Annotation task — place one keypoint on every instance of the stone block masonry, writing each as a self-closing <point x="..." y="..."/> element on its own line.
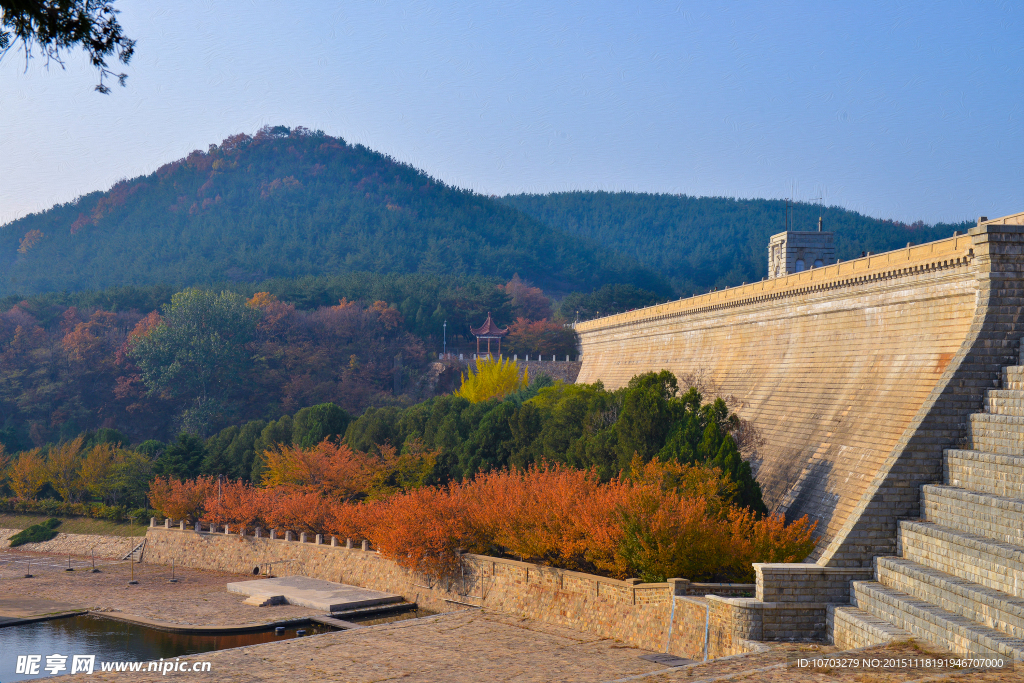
<point x="105" y="547"/>
<point x="650" y="616"/>
<point x="857" y="374"/>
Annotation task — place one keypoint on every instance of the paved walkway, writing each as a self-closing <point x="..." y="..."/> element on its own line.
<point x="454" y="648"/>
<point x="199" y="598"/>
<point x="459" y="647"/>
<point x="474" y="646"/>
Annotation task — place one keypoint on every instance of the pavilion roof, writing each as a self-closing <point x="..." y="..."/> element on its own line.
<point x="488" y="329"/>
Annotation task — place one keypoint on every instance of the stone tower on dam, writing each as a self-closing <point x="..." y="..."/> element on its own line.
<point x="858" y="373"/>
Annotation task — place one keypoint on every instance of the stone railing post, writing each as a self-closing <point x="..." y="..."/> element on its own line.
<point x="288" y="536"/>
<point x="334" y="542"/>
<point x="348" y="543"/>
<point x="259" y="532"/>
<point x="319" y="539"/>
<point x="167" y="523"/>
<point x="273" y="534"/>
<point x="181" y="525"/>
<point x="199" y="526"/>
<point x="227" y="529"/>
<point x="366" y="545"/>
<point x="679" y="586"/>
<point x="152" y="521"/>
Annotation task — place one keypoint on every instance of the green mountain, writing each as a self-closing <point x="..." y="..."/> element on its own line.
<point x="704" y="242"/>
<point x="292" y="203"/>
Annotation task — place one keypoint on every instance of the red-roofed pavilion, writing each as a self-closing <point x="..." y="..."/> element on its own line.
<point x="488" y="331"/>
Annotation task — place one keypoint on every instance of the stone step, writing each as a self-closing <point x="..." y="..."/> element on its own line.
<point x="984" y="514"/>
<point x="1000" y="475"/>
<point x="1005" y="402"/>
<point x="1013" y="376"/>
<point x="988" y="607"/>
<point x="967" y="556"/>
<point x="933" y="624"/>
<point x="851" y="627"/>
<point x="1003" y="434"/>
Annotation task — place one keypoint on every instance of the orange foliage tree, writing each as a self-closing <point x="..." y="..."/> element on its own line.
<point x="327" y="468"/>
<point x="663" y="520"/>
<point x="181" y="499"/>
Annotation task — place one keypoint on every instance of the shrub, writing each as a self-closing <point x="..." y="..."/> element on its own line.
<point x="37" y="533"/>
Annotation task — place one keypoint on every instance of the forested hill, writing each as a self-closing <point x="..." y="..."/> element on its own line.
<point x="288" y="203"/>
<point x="702" y="242"/>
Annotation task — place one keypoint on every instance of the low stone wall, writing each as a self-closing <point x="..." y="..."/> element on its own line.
<point x="806" y="582"/>
<point x="653" y="616"/>
<point x="107" y="547"/>
<point x="791" y="604"/>
<point x="559" y="369"/>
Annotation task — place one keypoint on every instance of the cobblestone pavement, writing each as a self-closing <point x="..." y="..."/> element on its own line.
<point x="455" y="647"/>
<point x="199" y="598"/>
<point x="471" y="646"/>
<point x="459" y="647"/>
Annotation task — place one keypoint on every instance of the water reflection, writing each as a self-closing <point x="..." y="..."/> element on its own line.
<point x="118" y="641"/>
<point x="111" y="641"/>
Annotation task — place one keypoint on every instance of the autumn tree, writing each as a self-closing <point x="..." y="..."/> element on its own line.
<point x="327" y="468"/>
<point x="494" y="378"/>
<point x="181" y="499"/>
<point x="102" y="472"/>
<point x="63" y="469"/>
<point x="545" y="337"/>
<point x="528" y="302"/>
<point x="5" y="461"/>
<point x="28" y="474"/>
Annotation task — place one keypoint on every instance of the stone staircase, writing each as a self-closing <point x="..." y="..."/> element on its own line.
<point x="959" y="579"/>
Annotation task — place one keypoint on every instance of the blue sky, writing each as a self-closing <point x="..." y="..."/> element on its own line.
<point x="908" y="110"/>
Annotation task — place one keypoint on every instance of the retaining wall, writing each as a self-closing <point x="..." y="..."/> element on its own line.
<point x="107" y="547"/>
<point x="655" y="616"/>
<point x="560" y="370"/>
<point x="857" y="374"/>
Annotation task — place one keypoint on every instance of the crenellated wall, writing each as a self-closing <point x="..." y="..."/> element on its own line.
<point x="857" y="374"/>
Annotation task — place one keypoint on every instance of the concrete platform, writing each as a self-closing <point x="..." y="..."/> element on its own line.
<point x="25" y="609"/>
<point x="314" y="593"/>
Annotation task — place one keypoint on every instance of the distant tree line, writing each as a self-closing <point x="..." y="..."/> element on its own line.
<point x="704" y="242"/>
<point x="151" y="361"/>
<point x="290" y="203"/>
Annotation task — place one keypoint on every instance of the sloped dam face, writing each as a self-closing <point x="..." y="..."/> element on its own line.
<point x="857" y="375"/>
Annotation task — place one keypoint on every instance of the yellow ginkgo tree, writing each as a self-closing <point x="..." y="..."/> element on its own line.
<point x="493" y="379"/>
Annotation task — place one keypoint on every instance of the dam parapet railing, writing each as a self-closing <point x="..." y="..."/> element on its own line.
<point x="950" y="252"/>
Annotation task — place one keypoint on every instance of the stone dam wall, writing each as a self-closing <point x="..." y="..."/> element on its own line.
<point x="674" y="617"/>
<point x="858" y="374"/>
